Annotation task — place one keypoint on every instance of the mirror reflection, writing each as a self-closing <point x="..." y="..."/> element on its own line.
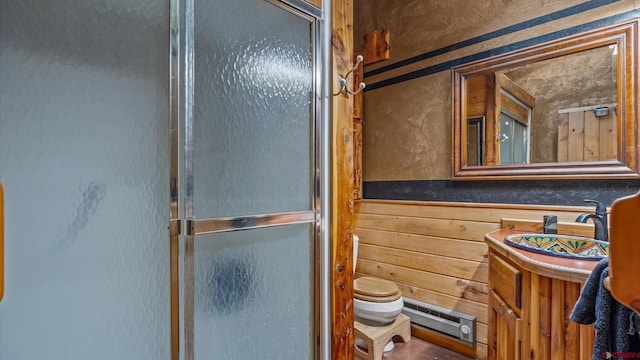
<point x="561" y="109"/>
<point x="558" y="110"/>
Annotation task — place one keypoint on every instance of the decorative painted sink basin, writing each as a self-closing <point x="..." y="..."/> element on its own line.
<point x="560" y="245"/>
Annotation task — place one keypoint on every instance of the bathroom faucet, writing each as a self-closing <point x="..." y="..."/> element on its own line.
<point x="599" y="220"/>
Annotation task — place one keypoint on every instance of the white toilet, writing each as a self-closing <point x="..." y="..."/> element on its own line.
<point x="377" y="302"/>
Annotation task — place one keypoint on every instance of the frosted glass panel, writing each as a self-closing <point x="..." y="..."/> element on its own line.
<point x="84" y="159"/>
<point x="253" y="92"/>
<point x="253" y="294"/>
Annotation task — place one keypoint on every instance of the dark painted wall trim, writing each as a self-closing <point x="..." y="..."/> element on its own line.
<point x="533" y="192"/>
<point x="570" y="11"/>
<point x="506" y="48"/>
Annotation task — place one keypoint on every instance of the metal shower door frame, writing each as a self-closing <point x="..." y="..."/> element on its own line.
<point x="183" y="225"/>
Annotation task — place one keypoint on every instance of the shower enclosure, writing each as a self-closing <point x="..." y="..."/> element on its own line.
<point x="163" y="165"/>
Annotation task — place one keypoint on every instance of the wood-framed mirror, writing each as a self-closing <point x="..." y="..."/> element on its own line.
<point x="562" y="109"/>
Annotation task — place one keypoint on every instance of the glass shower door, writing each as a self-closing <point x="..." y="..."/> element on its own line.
<point x="84" y="162"/>
<point x="250" y="194"/>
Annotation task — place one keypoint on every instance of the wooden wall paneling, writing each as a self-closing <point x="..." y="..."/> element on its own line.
<point x="456" y="229"/>
<point x="481" y="333"/>
<point x="341" y="226"/>
<point x="453" y="248"/>
<point x="421" y="209"/>
<point x="429" y="286"/>
<point x="451" y="267"/>
<point x="467" y="211"/>
<point x="445" y="284"/>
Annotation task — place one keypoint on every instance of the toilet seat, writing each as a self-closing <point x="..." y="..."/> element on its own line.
<point x="375" y="290"/>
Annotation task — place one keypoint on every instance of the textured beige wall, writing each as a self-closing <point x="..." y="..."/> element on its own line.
<point x="406" y="132"/>
<point x="406" y="126"/>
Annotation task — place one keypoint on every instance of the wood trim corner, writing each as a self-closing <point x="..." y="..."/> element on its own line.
<point x="342" y="185"/>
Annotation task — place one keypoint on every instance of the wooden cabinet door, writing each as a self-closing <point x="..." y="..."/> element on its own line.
<point x="505" y="330"/>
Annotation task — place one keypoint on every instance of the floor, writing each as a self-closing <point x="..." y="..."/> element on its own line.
<point x="418" y="349"/>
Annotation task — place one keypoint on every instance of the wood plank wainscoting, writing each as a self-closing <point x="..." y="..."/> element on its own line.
<point x="435" y="252"/>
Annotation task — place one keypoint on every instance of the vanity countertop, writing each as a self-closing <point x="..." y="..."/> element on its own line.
<point x="573" y="270"/>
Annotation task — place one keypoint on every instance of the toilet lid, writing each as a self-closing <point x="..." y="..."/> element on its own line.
<point x="375" y="290"/>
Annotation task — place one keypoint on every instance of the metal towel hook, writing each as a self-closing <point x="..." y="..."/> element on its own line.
<point x="343" y="80"/>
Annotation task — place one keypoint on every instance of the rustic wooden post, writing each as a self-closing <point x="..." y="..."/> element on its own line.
<point x="342" y="184"/>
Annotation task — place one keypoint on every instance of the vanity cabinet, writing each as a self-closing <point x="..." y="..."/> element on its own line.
<point x="505" y="336"/>
<point x="505" y="309"/>
<point x="530" y="300"/>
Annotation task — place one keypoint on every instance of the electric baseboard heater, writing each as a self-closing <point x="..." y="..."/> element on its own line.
<point x="450" y="322"/>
